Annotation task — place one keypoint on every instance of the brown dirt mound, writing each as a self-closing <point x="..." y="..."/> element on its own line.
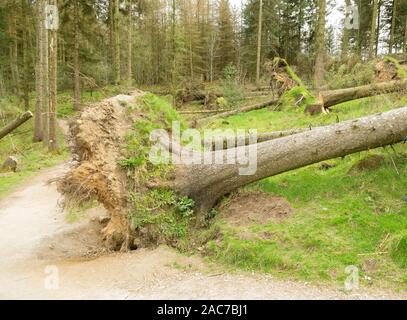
<point x="371" y="162"/>
<point x="255" y="207"/>
<point x="98" y="134"/>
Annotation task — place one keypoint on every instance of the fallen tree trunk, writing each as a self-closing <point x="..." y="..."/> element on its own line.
<point x="239" y="110"/>
<point x="225" y="143"/>
<point x="330" y="98"/>
<point x="207" y="183"/>
<point x="15" y="124"/>
<point x="204" y="111"/>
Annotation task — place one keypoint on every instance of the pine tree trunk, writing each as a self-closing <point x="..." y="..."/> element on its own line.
<point x="26" y="61"/>
<point x="320" y="45"/>
<point x="13" y="49"/>
<point x="405" y="37"/>
<point x="39" y="73"/>
<point x="2" y="85"/>
<point x="130" y="45"/>
<point x="77" y="79"/>
<point x="116" y="31"/>
<point x="393" y="26"/>
<point x="372" y="39"/>
<point x="378" y="27"/>
<point x="45" y="78"/>
<point x="345" y="37"/>
<point x="53" y="61"/>
<point x="259" y="38"/>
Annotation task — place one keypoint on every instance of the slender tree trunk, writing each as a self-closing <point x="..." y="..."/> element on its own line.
<point x="76" y="65"/>
<point x="116" y="30"/>
<point x="112" y="38"/>
<point x="320" y="45"/>
<point x="207" y="183"/>
<point x="373" y="26"/>
<point x="2" y="85"/>
<point x="130" y="45"/>
<point x="345" y="37"/>
<point x="39" y="73"/>
<point x="405" y="37"/>
<point x="378" y="27"/>
<point x="15" y="73"/>
<point x="53" y="142"/>
<point x="259" y="38"/>
<point x="45" y="74"/>
<point x="26" y="60"/>
<point x="393" y="26"/>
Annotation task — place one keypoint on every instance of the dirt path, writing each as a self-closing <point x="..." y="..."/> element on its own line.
<point x="38" y="250"/>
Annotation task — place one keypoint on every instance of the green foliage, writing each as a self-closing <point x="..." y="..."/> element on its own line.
<point x="293" y="96"/>
<point x="186" y="207"/>
<point x="351" y="74"/>
<point x="166" y="215"/>
<point x="232" y="91"/>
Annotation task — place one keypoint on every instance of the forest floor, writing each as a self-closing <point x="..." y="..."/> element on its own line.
<point x="38" y="243"/>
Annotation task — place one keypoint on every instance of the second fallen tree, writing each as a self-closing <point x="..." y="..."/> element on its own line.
<point x="331" y="98"/>
<point x="15" y="124"/>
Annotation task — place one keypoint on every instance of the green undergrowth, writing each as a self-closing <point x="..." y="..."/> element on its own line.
<point x="343" y="213"/>
<point x="158" y="214"/>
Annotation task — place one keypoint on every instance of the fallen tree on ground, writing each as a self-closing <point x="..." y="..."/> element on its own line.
<point x="15" y="124"/>
<point x="127" y="187"/>
<point x="331" y="98"/>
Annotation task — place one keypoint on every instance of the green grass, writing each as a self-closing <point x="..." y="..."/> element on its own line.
<point x="32" y="157"/>
<point x="341" y="216"/>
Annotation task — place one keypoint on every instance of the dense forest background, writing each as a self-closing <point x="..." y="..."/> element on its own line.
<point x="177" y="43"/>
<point x="170" y="41"/>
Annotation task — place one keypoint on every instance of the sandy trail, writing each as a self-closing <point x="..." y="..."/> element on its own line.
<point x="30" y="219"/>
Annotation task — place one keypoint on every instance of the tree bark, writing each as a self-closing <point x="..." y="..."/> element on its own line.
<point x="320" y="46"/>
<point x="373" y="26"/>
<point x="259" y="36"/>
<point x="116" y="35"/>
<point x="405" y="37"/>
<point x="15" y="124"/>
<point x="39" y="85"/>
<point x="45" y="77"/>
<point x="130" y="45"/>
<point x="333" y="97"/>
<point x="393" y="26"/>
<point x="345" y="37"/>
<point x="239" y="110"/>
<point x="77" y="79"/>
<point x="26" y="60"/>
<point x="52" y="139"/>
<point x="13" y="50"/>
<point x="206" y="183"/>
